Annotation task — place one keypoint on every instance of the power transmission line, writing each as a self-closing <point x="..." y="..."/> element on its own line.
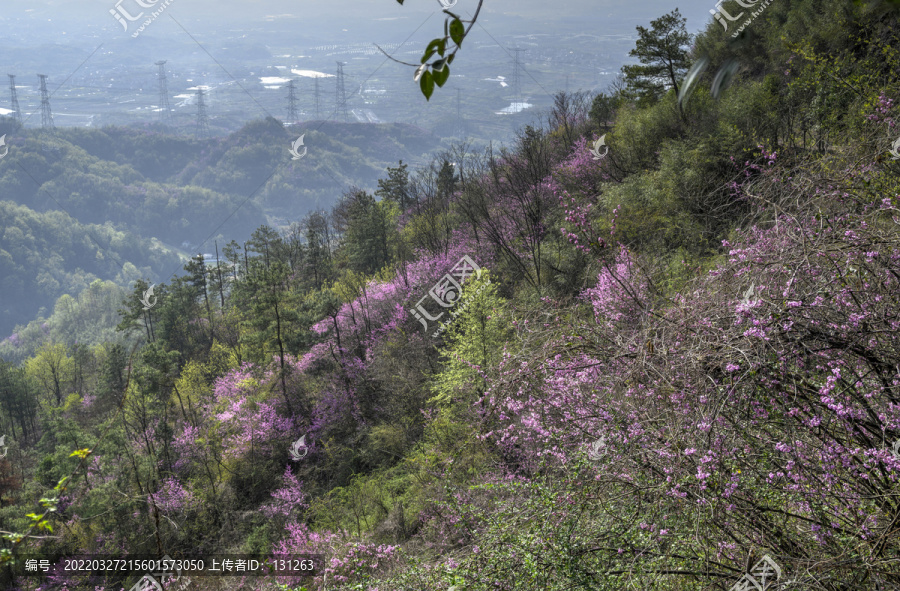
<point x="14" y="98"/>
<point x="340" y="94"/>
<point x="46" y="114"/>
<point x="202" y="117"/>
<point x="292" y="104"/>
<point x="164" y="108"/>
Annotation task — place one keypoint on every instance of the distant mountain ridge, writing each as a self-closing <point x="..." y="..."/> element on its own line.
<point x="123" y="187"/>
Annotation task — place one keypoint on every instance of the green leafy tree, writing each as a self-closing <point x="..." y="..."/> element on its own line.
<point x="17" y="401"/>
<point x="369" y="231"/>
<point x="272" y="301"/>
<point x="446" y="179"/>
<point x="475" y="341"/>
<point x="180" y="313"/>
<point x="135" y="314"/>
<point x="319" y="237"/>
<point x="603" y="109"/>
<point x="396" y="187"/>
<point x="53" y="369"/>
<point x="113" y="370"/>
<point x="199" y="275"/>
<point x="663" y="56"/>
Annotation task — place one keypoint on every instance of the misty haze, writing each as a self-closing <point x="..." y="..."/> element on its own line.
<point x="458" y="295"/>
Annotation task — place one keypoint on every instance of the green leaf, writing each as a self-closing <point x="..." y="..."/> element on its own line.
<point x="436" y="45"/>
<point x="441" y="75"/>
<point x="457" y="31"/>
<point x="426" y="83"/>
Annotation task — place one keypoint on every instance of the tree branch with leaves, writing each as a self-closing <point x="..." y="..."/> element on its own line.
<point x="436" y="72"/>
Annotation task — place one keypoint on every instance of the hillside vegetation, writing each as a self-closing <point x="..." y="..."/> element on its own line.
<point x="119" y="203"/>
<point x="661" y="366"/>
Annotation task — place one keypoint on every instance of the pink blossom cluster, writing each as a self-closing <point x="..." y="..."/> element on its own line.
<point x="729" y="400"/>
<point x="883" y="111"/>
<point x="172" y="497"/>
<point x="287" y="499"/>
<point x="347" y="561"/>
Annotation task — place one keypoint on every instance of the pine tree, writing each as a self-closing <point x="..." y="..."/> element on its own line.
<point x="663" y="57"/>
<point x="396" y="187"/>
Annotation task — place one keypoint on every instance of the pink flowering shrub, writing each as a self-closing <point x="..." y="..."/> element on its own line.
<point x="765" y="388"/>
<point x="883" y="111"/>
<point x="172" y="497"/>
<point x="382" y="308"/>
<point x="287" y="499"/>
<point x="246" y="422"/>
<point x="581" y="174"/>
<point x="188" y="448"/>
<point x="347" y="562"/>
<point x="621" y="292"/>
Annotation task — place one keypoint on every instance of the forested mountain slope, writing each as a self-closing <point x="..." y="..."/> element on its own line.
<point x="669" y="359"/>
<point x="134" y="186"/>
